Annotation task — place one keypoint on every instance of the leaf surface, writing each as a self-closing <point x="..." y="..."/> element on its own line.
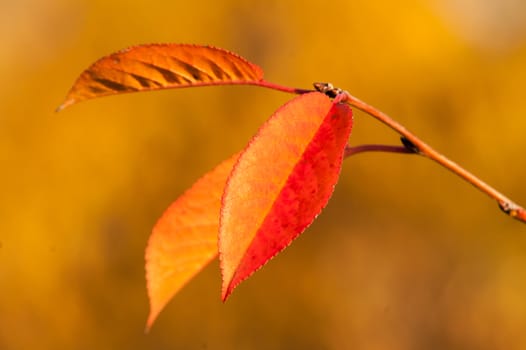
<point x="161" y="66"/>
<point x="281" y="182"/>
<point x="184" y="240"/>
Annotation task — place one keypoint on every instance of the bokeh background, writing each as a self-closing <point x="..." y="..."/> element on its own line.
<point x="405" y="256"/>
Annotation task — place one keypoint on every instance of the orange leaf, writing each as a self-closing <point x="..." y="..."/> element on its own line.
<point x="184" y="240"/>
<point x="161" y="66"/>
<point x="281" y="182"/>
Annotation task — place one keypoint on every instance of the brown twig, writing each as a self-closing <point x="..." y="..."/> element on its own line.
<point x="415" y="145"/>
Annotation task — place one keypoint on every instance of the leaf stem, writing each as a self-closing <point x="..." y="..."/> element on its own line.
<point x="415" y="145"/>
<point x="352" y="150"/>
<point x="274" y="86"/>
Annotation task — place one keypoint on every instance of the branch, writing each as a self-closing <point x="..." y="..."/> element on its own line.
<point x="414" y="144"/>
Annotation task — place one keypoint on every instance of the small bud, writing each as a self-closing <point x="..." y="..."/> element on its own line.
<point x="409" y="145"/>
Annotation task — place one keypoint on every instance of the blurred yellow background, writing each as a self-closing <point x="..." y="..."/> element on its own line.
<point x="405" y="256"/>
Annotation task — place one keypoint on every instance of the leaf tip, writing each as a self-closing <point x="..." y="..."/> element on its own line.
<point x="226" y="291"/>
<point x="149" y="322"/>
<point x="155" y="309"/>
<point x="65" y="104"/>
<point x="229" y="277"/>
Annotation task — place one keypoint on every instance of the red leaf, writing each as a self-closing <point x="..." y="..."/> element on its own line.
<point x="161" y="66"/>
<point x="184" y="240"/>
<point x="281" y="182"/>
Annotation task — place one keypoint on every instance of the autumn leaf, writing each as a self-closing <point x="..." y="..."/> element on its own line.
<point x="161" y="66"/>
<point x="184" y="240"/>
<point x="281" y="182"/>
